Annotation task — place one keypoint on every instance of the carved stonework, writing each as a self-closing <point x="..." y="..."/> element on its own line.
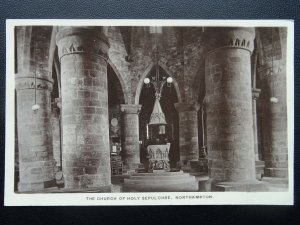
<point x="232" y="37"/>
<point x="81" y="40"/>
<point x="33" y="83"/>
<point x="158" y="156"/>
<point x="239" y="43"/>
<point x="131" y="109"/>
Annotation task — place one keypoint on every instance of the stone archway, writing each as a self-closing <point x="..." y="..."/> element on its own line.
<point x="169" y="96"/>
<point x="146" y="73"/>
<point x="122" y="83"/>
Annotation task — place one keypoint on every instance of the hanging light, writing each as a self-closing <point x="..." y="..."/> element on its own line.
<point x="157" y="80"/>
<point x="157" y="116"/>
<point x="35" y="108"/>
<point x="169" y="81"/>
<point x="147" y="82"/>
<point x="273" y="99"/>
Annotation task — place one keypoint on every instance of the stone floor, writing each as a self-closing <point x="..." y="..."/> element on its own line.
<point x="190" y="179"/>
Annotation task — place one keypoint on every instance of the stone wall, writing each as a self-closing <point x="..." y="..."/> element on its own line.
<point x="180" y="54"/>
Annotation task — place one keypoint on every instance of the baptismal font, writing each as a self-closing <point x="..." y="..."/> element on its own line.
<point x="159" y="147"/>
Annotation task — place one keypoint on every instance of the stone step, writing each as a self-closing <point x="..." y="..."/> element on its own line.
<point x="162" y="173"/>
<point x="106" y="189"/>
<point x="243" y="186"/>
<point x="118" y="179"/>
<point x="180" y="187"/>
<point x="277" y="182"/>
<point x="277" y="189"/>
<point x="136" y="177"/>
<point x="160" y="181"/>
<point x="276" y="172"/>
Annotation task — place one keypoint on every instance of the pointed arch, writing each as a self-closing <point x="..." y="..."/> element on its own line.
<point x="125" y="95"/>
<point x="53" y="61"/>
<point x="146" y="73"/>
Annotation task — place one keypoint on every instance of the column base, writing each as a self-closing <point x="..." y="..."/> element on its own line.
<point x="276" y="172"/>
<point x="87" y="181"/>
<point x="194" y="166"/>
<point x="133" y="168"/>
<point x="38" y="186"/>
<point x="276" y="183"/>
<point x="119" y="179"/>
<point x="240" y="186"/>
<point x="260" y="169"/>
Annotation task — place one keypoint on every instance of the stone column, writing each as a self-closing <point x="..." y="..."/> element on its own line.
<point x="56" y="133"/>
<point x="275" y="123"/>
<point x="85" y="152"/>
<point x="273" y="85"/>
<point x="130" y="139"/>
<point x="259" y="165"/>
<point x="255" y="96"/>
<point x="34" y="131"/>
<point x="230" y="140"/>
<point x="188" y="132"/>
<point x="276" y="155"/>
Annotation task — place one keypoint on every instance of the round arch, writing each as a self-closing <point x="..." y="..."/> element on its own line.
<point x="146" y="73"/>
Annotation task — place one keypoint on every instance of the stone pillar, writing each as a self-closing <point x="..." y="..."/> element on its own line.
<point x="56" y="133"/>
<point x="255" y="96"/>
<point x="85" y="154"/>
<point x="273" y="85"/>
<point x="130" y="133"/>
<point x="259" y="165"/>
<point x="275" y="124"/>
<point x="230" y="140"/>
<point x="188" y="132"/>
<point x="34" y="132"/>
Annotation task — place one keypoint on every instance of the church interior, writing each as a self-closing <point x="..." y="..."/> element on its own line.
<point x="150" y="109"/>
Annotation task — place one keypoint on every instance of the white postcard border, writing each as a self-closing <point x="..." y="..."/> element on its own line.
<point x="161" y="198"/>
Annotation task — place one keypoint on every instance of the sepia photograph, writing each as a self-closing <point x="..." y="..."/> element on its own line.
<point x="137" y="112"/>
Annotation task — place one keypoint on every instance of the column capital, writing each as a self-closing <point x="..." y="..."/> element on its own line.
<point x="30" y="81"/>
<point x="79" y="40"/>
<point x="184" y="106"/>
<point x="131" y="108"/>
<point x="255" y="93"/>
<point x="231" y="37"/>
